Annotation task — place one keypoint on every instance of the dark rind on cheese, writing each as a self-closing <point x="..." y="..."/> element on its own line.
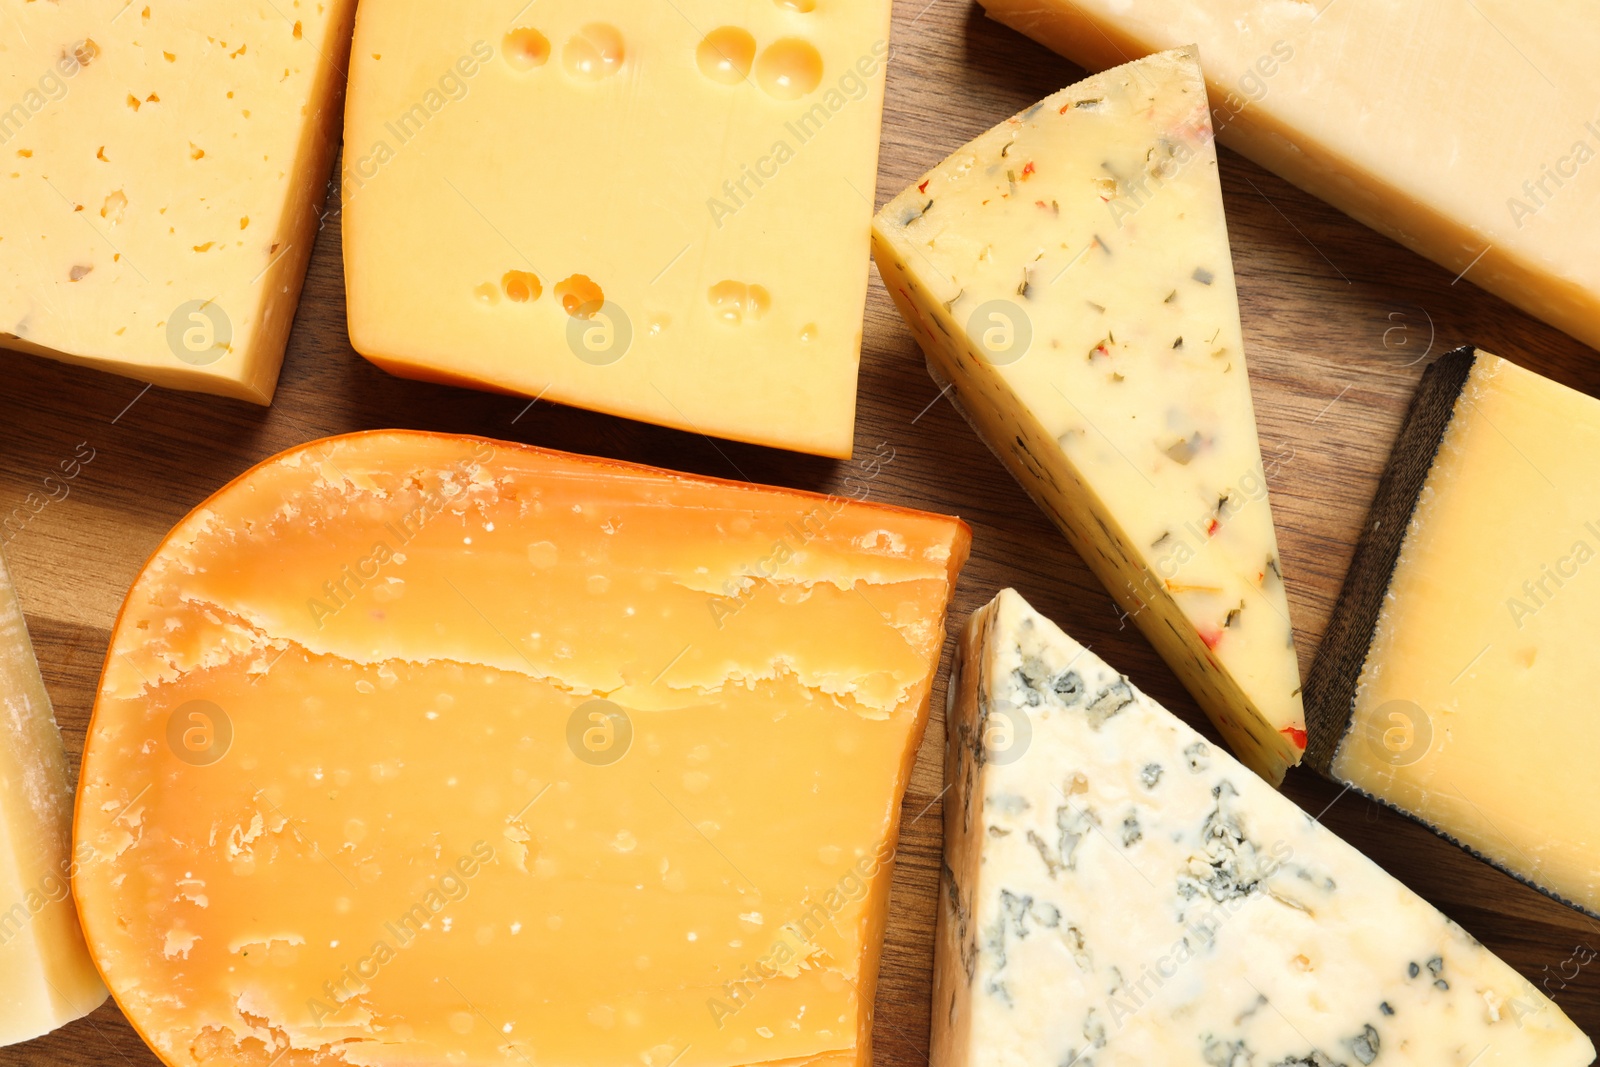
<point x="1330" y="690"/>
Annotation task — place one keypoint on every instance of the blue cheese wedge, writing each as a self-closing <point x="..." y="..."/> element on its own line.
<point x="1119" y="892"/>
<point x="1069" y="274"/>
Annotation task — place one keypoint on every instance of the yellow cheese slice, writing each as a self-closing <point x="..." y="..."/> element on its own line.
<point x="46" y="977"/>
<point x="1457" y="681"/>
<point x="162" y="166"/>
<point x="1068" y="273"/>
<point x="1467" y="130"/>
<point x="659" y="211"/>
<point x="424" y="749"/>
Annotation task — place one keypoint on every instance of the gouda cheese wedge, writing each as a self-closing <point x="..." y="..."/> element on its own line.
<point x="427" y="749"/>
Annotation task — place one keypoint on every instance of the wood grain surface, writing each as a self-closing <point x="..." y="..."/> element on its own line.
<point x="1338" y="323"/>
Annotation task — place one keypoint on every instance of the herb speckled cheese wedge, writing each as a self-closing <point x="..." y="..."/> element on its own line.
<point x="1069" y="273"/>
<point x="1119" y="893"/>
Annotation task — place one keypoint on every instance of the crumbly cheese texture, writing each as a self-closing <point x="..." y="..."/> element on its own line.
<point x="1410" y="115"/>
<point x="424" y="749"/>
<point x="1118" y="892"/>
<point x="659" y="211"/>
<point x="46" y="977"/>
<point x="1484" y="644"/>
<point x="163" y="165"/>
<point x="1069" y="273"/>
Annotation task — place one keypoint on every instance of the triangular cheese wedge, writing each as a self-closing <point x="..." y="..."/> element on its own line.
<point x="1069" y="273"/>
<point x="1118" y="891"/>
<point x="418" y="749"/>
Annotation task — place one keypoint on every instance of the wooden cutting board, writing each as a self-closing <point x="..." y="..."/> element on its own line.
<point x="1338" y="323"/>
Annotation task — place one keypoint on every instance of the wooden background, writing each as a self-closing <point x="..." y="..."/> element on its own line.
<point x="1338" y="322"/>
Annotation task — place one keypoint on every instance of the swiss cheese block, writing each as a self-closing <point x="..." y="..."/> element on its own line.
<point x="1465" y="131"/>
<point x="1068" y="273"/>
<point x="46" y="976"/>
<point x="659" y="211"/>
<point x="416" y="749"/>
<point x="1118" y="892"/>
<point x="1458" y="676"/>
<point x="162" y="167"/>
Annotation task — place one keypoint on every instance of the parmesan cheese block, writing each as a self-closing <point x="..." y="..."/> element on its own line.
<point x="659" y="211"/>
<point x="416" y="749"/>
<point x="1465" y="131"/>
<point x="1118" y="892"/>
<point x="1458" y="676"/>
<point x="162" y="167"/>
<point x="1068" y="274"/>
<point x="46" y="977"/>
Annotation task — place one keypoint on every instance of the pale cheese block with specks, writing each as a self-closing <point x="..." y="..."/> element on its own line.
<point x="163" y="167"/>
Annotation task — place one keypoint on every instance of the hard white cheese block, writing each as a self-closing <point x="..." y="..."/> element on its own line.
<point x="46" y="977"/>
<point x="1069" y="273"/>
<point x="1119" y="893"/>
<point x="654" y="210"/>
<point x="1467" y="131"/>
<point x="163" y="164"/>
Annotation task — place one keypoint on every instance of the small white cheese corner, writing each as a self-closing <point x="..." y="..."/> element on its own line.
<point x="46" y="977"/>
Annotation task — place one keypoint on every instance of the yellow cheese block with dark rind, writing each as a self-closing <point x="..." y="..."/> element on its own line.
<point x="1415" y="118"/>
<point x="163" y="167"/>
<point x="426" y="749"/>
<point x="658" y="211"/>
<point x="1457" y="681"/>
<point x="1068" y="275"/>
